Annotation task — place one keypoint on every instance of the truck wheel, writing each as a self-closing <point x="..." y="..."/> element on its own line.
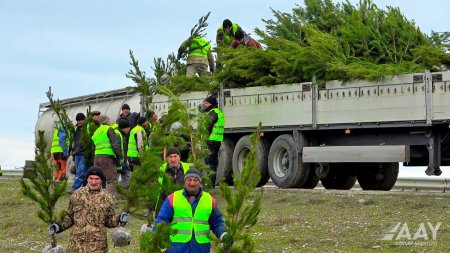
<point x="284" y="167"/>
<point x="378" y="177"/>
<point x="225" y="166"/>
<point x="338" y="178"/>
<point x="312" y="180"/>
<point x="241" y="151"/>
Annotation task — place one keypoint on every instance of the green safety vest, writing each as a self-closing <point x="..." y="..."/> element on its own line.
<point x="163" y="167"/>
<point x="56" y="148"/>
<point x="227" y="39"/>
<point x="218" y="128"/>
<point x="150" y="127"/>
<point x="132" y="143"/>
<point x="101" y="141"/>
<point x="184" y="222"/>
<point x="199" y="47"/>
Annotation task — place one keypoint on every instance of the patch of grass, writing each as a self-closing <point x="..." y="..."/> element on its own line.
<point x="290" y="221"/>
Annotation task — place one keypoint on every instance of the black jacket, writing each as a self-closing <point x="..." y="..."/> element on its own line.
<point x="213" y="118"/>
<point x="77" y="147"/>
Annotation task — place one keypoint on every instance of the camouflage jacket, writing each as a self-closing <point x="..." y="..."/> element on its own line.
<point x="90" y="212"/>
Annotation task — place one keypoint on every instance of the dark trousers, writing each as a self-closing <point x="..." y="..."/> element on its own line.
<point x="212" y="160"/>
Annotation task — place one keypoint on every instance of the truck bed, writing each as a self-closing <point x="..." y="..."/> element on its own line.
<point x="401" y="99"/>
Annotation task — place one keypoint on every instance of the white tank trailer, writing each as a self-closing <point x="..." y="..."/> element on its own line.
<point x="108" y="103"/>
<point x="343" y="132"/>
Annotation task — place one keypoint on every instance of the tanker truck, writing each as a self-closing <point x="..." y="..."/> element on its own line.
<point x="108" y="103"/>
<point x="338" y="133"/>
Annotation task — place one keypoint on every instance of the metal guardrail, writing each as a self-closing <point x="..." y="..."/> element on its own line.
<point x="422" y="184"/>
<point x="403" y="184"/>
<point x="12" y="173"/>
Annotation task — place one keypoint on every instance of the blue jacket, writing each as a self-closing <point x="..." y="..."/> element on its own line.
<point x="62" y="135"/>
<point x="216" y="223"/>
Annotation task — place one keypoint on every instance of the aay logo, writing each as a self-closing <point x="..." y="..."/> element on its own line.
<point x="401" y="232"/>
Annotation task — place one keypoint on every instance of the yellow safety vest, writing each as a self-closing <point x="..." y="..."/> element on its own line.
<point x="185" y="223"/>
<point x="132" y="143"/>
<point x="56" y="148"/>
<point x="163" y="167"/>
<point x="199" y="47"/>
<point x="219" y="127"/>
<point x="227" y="39"/>
<point x="101" y="141"/>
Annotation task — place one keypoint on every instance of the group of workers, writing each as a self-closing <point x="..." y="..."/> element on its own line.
<point x="191" y="212"/>
<point x="198" y="49"/>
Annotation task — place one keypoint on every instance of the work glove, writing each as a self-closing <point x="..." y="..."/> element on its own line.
<point x="53" y="228"/>
<point x="124" y="218"/>
<point x="227" y="240"/>
<point x="146" y="227"/>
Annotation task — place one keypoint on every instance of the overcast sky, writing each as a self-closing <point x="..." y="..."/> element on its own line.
<point x="81" y="47"/>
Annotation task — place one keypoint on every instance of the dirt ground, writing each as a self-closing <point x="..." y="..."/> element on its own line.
<point x="290" y="221"/>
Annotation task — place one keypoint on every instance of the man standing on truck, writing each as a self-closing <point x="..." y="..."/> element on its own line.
<point x="107" y="152"/>
<point x="241" y="38"/>
<point x="199" y="56"/>
<point x="224" y="37"/>
<point x="226" y="32"/>
<point x="59" y="151"/>
<point x="215" y="128"/>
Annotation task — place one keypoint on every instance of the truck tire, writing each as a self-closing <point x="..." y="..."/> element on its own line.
<point x="225" y="166"/>
<point x="241" y="151"/>
<point x="338" y="178"/>
<point x="378" y="177"/>
<point x="284" y="167"/>
<point x="312" y="181"/>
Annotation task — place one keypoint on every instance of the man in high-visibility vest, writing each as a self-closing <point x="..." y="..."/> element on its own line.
<point x="215" y="128"/>
<point x="59" y="151"/>
<point x="138" y="142"/>
<point x="226" y="32"/>
<point x="174" y="167"/>
<point x="176" y="170"/>
<point x="199" y="56"/>
<point x="107" y="152"/>
<point x="193" y="213"/>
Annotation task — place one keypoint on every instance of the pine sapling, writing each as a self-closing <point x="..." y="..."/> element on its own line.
<point x="61" y="113"/>
<point x="192" y="132"/>
<point x="242" y="204"/>
<point x="42" y="189"/>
